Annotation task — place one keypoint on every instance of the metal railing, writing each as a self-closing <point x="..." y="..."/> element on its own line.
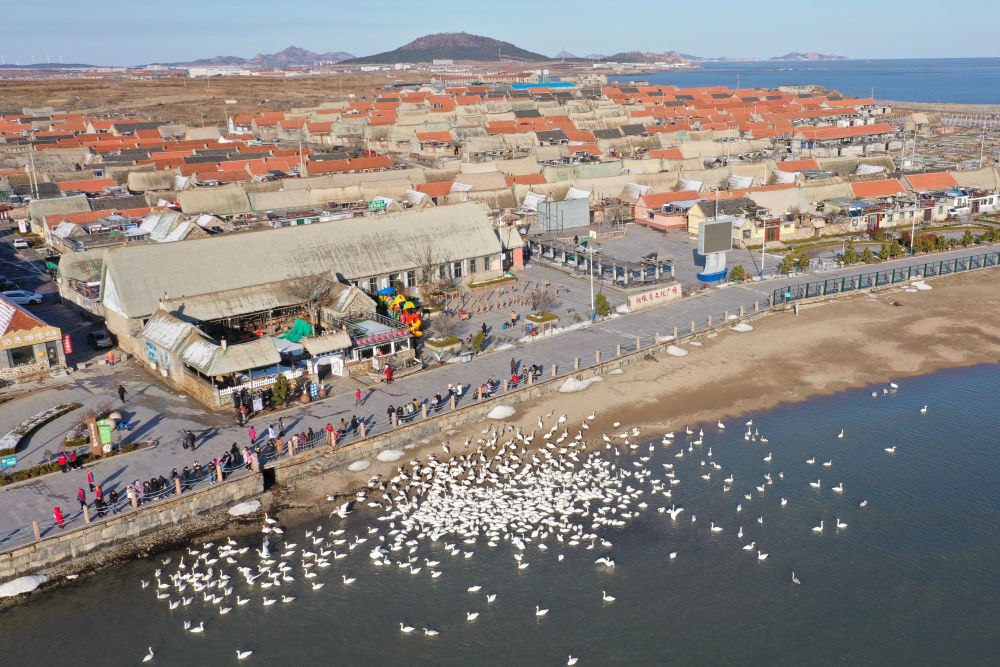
<point x="885" y="277"/>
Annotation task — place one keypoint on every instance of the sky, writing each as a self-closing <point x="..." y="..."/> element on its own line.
<point x="136" y="32"/>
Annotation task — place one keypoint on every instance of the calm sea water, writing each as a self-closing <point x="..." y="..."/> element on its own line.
<point x="911" y="580"/>
<point x="955" y="80"/>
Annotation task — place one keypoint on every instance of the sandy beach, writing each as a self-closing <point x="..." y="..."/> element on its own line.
<point x="855" y="341"/>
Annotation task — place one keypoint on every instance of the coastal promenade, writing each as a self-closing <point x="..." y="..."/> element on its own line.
<point x="161" y="413"/>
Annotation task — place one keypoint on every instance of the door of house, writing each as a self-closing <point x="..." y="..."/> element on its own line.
<point x="771" y="234"/>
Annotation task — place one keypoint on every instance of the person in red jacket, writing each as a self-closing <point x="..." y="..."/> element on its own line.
<point x="60" y="521"/>
<point x="62" y="461"/>
<point x="90" y="480"/>
<point x="81" y="495"/>
<point x="388" y="374"/>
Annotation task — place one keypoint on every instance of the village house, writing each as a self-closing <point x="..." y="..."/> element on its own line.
<point x="29" y="346"/>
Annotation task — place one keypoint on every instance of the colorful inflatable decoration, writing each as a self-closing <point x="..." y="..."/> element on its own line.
<point x="402" y="309"/>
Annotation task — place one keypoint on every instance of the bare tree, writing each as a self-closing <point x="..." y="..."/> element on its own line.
<point x="543" y="300"/>
<point x="445" y="325"/>
<point x="428" y="258"/>
<point x="313" y="292"/>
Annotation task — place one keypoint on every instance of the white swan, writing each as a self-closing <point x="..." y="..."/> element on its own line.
<point x="863" y="503"/>
<point x="471" y="616"/>
<point x="606" y="597"/>
<point x="784" y="501"/>
<point x="431" y="633"/>
<point x="838" y="489"/>
<point x="767" y="459"/>
<point x="719" y="423"/>
<point x="761" y="556"/>
<point x="539" y="611"/>
<point x="923" y="410"/>
<point x="819" y="528"/>
<point x="795" y="580"/>
<point x="405" y="628"/>
<point x="243" y="655"/>
<point x="827" y="464"/>
<point x="198" y="628"/>
<point x="841" y="434"/>
<point x="840" y="524"/>
<point x="715" y="529"/>
<point x="811" y="461"/>
<point x="816" y="484"/>
<point x="571" y="660"/>
<point x="749" y="547"/>
<point x="149" y="656"/>
<point x="891" y="450"/>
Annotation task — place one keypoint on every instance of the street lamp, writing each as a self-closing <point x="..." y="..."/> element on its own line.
<point x="590" y="266"/>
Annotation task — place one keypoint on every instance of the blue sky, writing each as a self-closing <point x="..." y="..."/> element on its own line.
<point x="138" y="32"/>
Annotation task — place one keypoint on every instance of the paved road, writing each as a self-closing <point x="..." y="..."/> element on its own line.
<point x="162" y="413"/>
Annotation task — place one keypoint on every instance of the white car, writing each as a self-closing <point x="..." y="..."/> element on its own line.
<point x="22" y="297"/>
<point x="20" y="243"/>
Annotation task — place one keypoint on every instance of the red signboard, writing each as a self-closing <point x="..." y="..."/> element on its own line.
<point x="67" y="344"/>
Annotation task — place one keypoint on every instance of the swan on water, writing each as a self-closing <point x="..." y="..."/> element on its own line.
<point x="539" y="611"/>
<point x="819" y="528"/>
<point x="606" y="597"/>
<point x="149" y="656"/>
<point x="242" y="655"/>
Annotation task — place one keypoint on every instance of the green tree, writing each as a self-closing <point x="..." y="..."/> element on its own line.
<point x="737" y="273"/>
<point x="883" y="251"/>
<point x="989" y="236"/>
<point x="601" y="306"/>
<point x="867" y="256"/>
<point x="801" y="263"/>
<point x="281" y="390"/>
<point x="787" y="264"/>
<point x="967" y="238"/>
<point x="478" y="341"/>
<point x="895" y="250"/>
<point x="850" y="254"/>
<point x="941" y="242"/>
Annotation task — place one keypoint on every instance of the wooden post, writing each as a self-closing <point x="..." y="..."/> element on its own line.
<point x="134" y="501"/>
<point x="553" y="370"/>
<point x="656" y="337"/>
<point x="423" y="410"/>
<point x="619" y="350"/>
<point x="86" y="514"/>
<point x="218" y="472"/>
<point x="725" y="316"/>
<point x="770" y="299"/>
<point x="38" y="531"/>
<point x="598" y="357"/>
<point x="291" y="443"/>
<point x="453" y="401"/>
<point x="675" y="333"/>
<point x="177" y="483"/>
<point x="576" y="363"/>
<point x="394" y="420"/>
<point x="364" y="429"/>
<point x="741" y="311"/>
<point x="756" y="306"/>
<point x="692" y="326"/>
<point x="638" y="343"/>
<point x="506" y="385"/>
<point x="531" y="378"/>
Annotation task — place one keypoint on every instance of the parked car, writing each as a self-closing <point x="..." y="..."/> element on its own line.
<point x="7" y="284"/>
<point x="100" y="338"/>
<point x="20" y="243"/>
<point x="22" y="297"/>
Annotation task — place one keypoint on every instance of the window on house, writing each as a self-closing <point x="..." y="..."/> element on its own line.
<point x="372" y="285"/>
<point x="21" y="356"/>
<point x="472" y="265"/>
<point x="411" y="278"/>
<point x="456" y="270"/>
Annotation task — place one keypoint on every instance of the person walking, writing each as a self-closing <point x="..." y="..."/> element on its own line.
<point x="73" y="461"/>
<point x="513" y="366"/>
<point x="113" y="501"/>
<point x="484" y="328"/>
<point x="330" y="439"/>
<point x="252" y="432"/>
<point x="271" y="434"/>
<point x="388" y="374"/>
<point x="121" y="393"/>
<point x="60" y="521"/>
<point x="98" y="492"/>
<point x="81" y="496"/>
<point x="354" y="424"/>
<point x="90" y="480"/>
<point x="62" y="461"/>
<point x="281" y="426"/>
<point x="357" y="397"/>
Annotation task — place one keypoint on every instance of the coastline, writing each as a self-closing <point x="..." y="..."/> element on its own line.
<point x="877" y="337"/>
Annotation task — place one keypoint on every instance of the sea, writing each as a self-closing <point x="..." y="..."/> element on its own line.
<point x="910" y="580"/>
<point x="939" y="80"/>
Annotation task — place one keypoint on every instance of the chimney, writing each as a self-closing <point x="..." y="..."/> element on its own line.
<point x="223" y="343"/>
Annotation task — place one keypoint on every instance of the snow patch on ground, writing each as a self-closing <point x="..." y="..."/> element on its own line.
<point x="675" y="351"/>
<point x="501" y="412"/>
<point x="412" y="445"/>
<point x="732" y="317"/>
<point x="244" y="508"/>
<point x="911" y="290"/>
<point x="501" y="348"/>
<point x="696" y="343"/>
<point x="742" y="326"/>
<point x="572" y="384"/>
<point x="616" y="371"/>
<point x="922" y="286"/>
<point x="22" y="585"/>
<point x="357" y="466"/>
<point x="390" y="455"/>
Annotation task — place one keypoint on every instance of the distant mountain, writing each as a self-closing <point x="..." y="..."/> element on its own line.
<point x="452" y="46"/>
<point x="644" y="57"/>
<point x="562" y="55"/>
<point x="595" y="56"/>
<point x="293" y="55"/>
<point x="812" y="55"/>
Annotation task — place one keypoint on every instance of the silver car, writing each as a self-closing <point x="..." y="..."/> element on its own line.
<point x="22" y="297"/>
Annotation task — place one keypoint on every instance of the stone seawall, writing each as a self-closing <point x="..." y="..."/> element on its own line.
<point x="98" y="538"/>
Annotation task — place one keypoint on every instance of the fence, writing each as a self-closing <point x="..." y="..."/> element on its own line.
<point x="885" y="277"/>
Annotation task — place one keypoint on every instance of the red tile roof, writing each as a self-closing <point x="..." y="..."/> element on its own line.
<point x="883" y="188"/>
<point x="942" y="180"/>
<point x="437" y="189"/>
<point x="92" y="185"/>
<point x="797" y="165"/>
<point x="656" y="200"/>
